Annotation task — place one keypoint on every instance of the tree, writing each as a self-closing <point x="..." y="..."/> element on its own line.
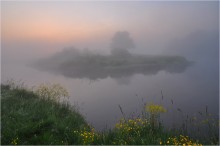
<point x="120" y="44"/>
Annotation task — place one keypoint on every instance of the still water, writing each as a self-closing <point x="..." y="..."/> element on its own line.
<point x="191" y="90"/>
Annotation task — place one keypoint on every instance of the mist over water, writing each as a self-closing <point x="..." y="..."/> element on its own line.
<point x="120" y="63"/>
<point x="106" y="54"/>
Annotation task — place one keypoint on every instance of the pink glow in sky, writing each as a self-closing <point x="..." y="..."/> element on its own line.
<point x="50" y="26"/>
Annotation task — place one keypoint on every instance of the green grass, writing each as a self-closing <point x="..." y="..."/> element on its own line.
<point x="28" y="119"/>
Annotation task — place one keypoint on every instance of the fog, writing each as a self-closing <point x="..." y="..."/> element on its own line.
<point x="120" y="63"/>
<point x="106" y="52"/>
<point x="198" y="45"/>
<point x="33" y="30"/>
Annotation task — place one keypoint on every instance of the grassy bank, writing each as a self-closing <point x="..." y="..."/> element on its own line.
<point x="41" y="117"/>
<point x="29" y="119"/>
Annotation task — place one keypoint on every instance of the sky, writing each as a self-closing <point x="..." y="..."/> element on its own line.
<point x="38" y="28"/>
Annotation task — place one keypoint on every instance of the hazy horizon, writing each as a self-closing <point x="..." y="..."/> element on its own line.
<point x="184" y="31"/>
<point x="35" y="29"/>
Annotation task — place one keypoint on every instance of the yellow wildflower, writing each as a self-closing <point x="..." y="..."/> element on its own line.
<point x="155" y="109"/>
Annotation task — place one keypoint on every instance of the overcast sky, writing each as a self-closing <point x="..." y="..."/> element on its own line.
<point x="33" y="29"/>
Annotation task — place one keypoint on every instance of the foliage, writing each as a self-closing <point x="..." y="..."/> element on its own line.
<point x="87" y="136"/>
<point x="135" y="131"/>
<point x="52" y="92"/>
<point x="155" y="110"/>
<point x="180" y="140"/>
<point x="37" y="117"/>
<point x="27" y="119"/>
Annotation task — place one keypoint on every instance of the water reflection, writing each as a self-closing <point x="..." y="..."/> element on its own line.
<point x="75" y="64"/>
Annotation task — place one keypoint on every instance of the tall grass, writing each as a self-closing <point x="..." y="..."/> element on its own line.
<point x="41" y="116"/>
<point x="28" y="119"/>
